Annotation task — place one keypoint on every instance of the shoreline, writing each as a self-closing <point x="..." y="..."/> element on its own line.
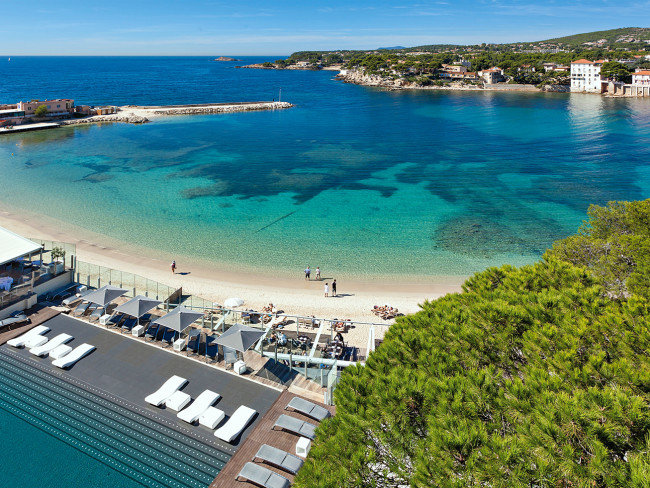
<point x="216" y="282"/>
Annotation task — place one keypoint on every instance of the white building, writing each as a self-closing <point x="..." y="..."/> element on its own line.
<point x="585" y="76"/>
<point x="641" y="77"/>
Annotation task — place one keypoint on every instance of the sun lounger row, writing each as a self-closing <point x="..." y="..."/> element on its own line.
<point x="201" y="409"/>
<point x="64" y="356"/>
<point x="261" y="476"/>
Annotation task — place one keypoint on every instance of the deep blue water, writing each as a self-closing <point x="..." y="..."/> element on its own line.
<point x="356" y="180"/>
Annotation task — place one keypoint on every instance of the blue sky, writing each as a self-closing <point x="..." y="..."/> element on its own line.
<point x="252" y="27"/>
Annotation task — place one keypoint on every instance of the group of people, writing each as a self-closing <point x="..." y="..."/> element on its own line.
<point x="386" y="312"/>
<point x="308" y="273"/>
<point x="278" y="337"/>
<point x="326" y="287"/>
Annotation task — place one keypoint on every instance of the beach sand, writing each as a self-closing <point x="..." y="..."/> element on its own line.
<point x="212" y="282"/>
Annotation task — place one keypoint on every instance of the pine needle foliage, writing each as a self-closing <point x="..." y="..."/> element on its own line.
<point x="531" y="377"/>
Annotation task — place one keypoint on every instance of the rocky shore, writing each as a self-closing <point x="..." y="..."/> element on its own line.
<point x="358" y="77"/>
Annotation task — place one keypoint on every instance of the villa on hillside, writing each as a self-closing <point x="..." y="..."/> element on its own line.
<point x="492" y="75"/>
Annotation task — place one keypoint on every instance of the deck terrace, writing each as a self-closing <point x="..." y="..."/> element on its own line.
<point x="263" y="434"/>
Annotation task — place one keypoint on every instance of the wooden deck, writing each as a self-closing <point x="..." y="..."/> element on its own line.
<point x="38" y="314"/>
<point x="263" y="434"/>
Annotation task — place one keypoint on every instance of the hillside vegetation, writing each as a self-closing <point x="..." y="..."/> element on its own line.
<point x="531" y="377"/>
<point x="613" y="37"/>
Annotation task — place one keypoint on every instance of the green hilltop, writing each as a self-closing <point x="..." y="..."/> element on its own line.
<point x="612" y="37"/>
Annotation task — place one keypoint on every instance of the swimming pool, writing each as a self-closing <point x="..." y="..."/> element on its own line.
<point x="121" y="448"/>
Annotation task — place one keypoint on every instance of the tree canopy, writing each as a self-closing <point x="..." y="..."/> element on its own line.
<point x="41" y="111"/>
<point x="537" y="377"/>
<point x="616" y="71"/>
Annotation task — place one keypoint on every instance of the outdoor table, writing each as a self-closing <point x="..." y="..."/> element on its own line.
<point x="138" y="330"/>
<point x="180" y="344"/>
<point x="302" y="447"/>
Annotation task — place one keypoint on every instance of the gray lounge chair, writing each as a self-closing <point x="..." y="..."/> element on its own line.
<point x="229" y="355"/>
<point x="115" y="320"/>
<point x="260" y="476"/>
<point x="98" y="312"/>
<point x="81" y="308"/>
<point x="279" y="458"/>
<point x="308" y="408"/>
<point x="295" y="426"/>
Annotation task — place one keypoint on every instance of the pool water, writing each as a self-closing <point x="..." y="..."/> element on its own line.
<point x="58" y="434"/>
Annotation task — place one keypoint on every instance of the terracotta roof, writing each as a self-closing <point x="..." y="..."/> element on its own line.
<point x="644" y="73"/>
<point x="600" y="61"/>
<point x="582" y="61"/>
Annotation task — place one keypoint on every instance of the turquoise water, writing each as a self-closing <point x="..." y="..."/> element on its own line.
<point x="359" y="181"/>
<point x="58" y="434"/>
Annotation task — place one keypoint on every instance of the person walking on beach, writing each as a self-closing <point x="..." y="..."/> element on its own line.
<point x="317" y="273"/>
<point x="327" y="290"/>
<point x="174" y="267"/>
<point x="334" y="288"/>
<point x="307" y="273"/>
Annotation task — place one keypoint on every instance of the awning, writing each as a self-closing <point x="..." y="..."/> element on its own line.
<point x="138" y="306"/>
<point x="104" y="295"/>
<point x="13" y="246"/>
<point x="179" y="319"/>
<point x="239" y="337"/>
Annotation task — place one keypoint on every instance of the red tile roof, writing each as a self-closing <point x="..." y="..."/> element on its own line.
<point x="644" y="73"/>
<point x="582" y="61"/>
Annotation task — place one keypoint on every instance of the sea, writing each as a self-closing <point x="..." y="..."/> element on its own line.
<point x="364" y="182"/>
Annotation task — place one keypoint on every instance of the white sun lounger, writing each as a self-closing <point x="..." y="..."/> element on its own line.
<point x="178" y="400"/>
<point x="236" y="424"/>
<point x="211" y="417"/>
<point x="73" y="356"/>
<point x="50" y="345"/>
<point x="21" y="339"/>
<point x="59" y="352"/>
<point x="165" y="391"/>
<point x="199" y="406"/>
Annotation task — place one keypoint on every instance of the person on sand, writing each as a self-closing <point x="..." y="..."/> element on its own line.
<point x="334" y="288"/>
<point x="174" y="267"/>
<point x="327" y="290"/>
<point x="317" y="273"/>
<point x="307" y="273"/>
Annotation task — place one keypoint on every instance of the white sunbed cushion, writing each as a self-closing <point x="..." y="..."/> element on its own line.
<point x="75" y="355"/>
<point x="200" y="405"/>
<point x="20" y="340"/>
<point x="60" y="351"/>
<point x="165" y="391"/>
<point x="178" y="400"/>
<point x="35" y="341"/>
<point x="212" y="417"/>
<point x="50" y="345"/>
<point x="236" y="424"/>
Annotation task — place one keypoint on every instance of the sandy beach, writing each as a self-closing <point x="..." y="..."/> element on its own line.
<point x="208" y="280"/>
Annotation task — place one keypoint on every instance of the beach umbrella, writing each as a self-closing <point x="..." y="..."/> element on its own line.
<point x="240" y="337"/>
<point x="179" y="319"/>
<point x="104" y="295"/>
<point x="138" y="306"/>
<point x="233" y="302"/>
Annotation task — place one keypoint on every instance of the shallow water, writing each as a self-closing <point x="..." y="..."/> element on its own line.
<point x="355" y="180"/>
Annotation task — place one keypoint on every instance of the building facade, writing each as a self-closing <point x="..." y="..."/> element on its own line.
<point x="641" y="78"/>
<point x="55" y="108"/>
<point x="585" y="76"/>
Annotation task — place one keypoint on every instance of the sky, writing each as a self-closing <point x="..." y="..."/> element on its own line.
<point x="257" y="27"/>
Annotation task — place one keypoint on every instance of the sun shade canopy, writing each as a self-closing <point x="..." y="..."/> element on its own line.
<point x="179" y="319"/>
<point x="13" y="246"/>
<point x="239" y="337"/>
<point x="104" y="295"/>
<point x="138" y="306"/>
